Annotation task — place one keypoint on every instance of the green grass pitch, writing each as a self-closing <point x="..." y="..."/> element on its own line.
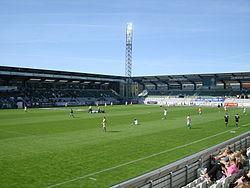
<point x="47" y="148"/>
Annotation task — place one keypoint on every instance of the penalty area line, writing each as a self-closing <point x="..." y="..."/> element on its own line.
<point x="140" y="159"/>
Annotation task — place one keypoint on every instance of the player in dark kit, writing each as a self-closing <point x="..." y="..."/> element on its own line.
<point x="71" y="114"/>
<point x="237" y="118"/>
<point x="90" y="109"/>
<point x="226" y="117"/>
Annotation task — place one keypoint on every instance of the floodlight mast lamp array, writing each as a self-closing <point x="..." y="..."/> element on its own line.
<point x="128" y="56"/>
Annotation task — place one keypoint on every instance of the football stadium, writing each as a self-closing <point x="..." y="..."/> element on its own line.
<point x="52" y="133"/>
<point x="63" y="128"/>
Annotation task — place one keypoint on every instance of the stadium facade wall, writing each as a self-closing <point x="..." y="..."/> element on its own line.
<point x="197" y="101"/>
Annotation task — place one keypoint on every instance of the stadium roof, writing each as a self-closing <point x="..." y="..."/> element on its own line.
<point x="240" y="77"/>
<point x="52" y="74"/>
<point x="194" y="78"/>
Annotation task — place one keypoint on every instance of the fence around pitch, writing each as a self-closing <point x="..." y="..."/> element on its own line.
<point x="181" y="172"/>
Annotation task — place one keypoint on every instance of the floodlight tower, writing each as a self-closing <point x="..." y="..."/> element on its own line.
<point x="128" y="56"/>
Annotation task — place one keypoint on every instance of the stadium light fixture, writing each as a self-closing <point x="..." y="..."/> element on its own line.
<point x="48" y="80"/>
<point x="35" y="79"/>
<point x="63" y="81"/>
<point x="128" y="55"/>
<point x="129" y="27"/>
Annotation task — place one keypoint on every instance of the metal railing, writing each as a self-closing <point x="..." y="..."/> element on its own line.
<point x="182" y="172"/>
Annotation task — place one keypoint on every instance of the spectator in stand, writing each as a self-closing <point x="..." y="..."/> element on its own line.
<point x="225" y="167"/>
<point x="244" y="185"/>
<point x="230" y="168"/>
<point x="227" y="151"/>
<point x="244" y="154"/>
<point x="215" y="172"/>
<point x="215" y="169"/>
<point x="243" y="181"/>
<point x="240" y="159"/>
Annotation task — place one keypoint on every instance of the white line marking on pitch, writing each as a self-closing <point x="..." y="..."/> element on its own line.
<point x="137" y="160"/>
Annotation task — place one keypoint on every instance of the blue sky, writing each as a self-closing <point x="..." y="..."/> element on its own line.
<point x="170" y="37"/>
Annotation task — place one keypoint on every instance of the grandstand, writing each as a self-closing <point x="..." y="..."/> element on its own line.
<point x="45" y="88"/>
<point x="60" y="129"/>
<point x="21" y="87"/>
<point x="222" y="84"/>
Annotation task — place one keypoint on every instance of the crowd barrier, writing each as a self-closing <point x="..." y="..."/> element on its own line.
<point x="180" y="173"/>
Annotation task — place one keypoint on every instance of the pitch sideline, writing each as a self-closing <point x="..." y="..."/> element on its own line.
<point x="140" y="159"/>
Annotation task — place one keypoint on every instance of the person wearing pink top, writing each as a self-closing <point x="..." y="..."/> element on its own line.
<point x="226" y="166"/>
<point x="231" y="167"/>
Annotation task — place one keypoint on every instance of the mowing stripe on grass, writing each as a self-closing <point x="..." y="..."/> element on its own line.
<point x="140" y="159"/>
<point x="16" y="132"/>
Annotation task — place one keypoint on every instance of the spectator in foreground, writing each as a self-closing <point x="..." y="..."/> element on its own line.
<point x="243" y="181"/>
<point x="225" y="167"/>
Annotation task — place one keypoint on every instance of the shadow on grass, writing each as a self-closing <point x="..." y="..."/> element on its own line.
<point x="113" y="131"/>
<point x="196" y="128"/>
<point x="76" y="117"/>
